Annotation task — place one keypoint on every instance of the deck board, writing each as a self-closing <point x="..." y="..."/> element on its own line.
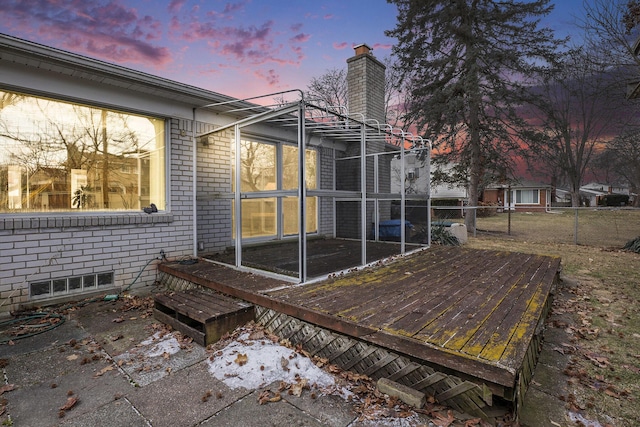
<point x="474" y="312"/>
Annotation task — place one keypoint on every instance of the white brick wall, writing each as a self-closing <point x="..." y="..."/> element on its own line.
<point x="43" y="247"/>
<point x="214" y="178"/>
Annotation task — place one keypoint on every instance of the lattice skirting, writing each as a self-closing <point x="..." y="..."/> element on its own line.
<point x="376" y="362"/>
<point x="175" y="283"/>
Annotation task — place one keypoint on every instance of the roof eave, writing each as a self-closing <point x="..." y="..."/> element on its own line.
<point x="29" y="51"/>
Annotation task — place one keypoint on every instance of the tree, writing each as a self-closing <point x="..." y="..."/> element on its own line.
<point x="611" y="29"/>
<point x="621" y="158"/>
<point x="467" y="63"/>
<point x="329" y="90"/>
<point x="583" y="107"/>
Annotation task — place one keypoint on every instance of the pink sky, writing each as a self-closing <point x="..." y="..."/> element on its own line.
<point x="240" y="48"/>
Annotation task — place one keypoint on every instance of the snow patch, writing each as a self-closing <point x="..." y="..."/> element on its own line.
<point x="255" y="363"/>
<point x="579" y="418"/>
<point x="160" y="344"/>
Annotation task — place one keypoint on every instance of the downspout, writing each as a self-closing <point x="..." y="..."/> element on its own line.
<point x="195" y="185"/>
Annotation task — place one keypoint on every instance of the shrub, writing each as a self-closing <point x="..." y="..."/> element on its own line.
<point x="613" y="200"/>
<point x="633" y="245"/>
<point x="440" y="235"/>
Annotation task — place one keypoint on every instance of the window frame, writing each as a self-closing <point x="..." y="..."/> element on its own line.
<point x="278" y="192"/>
<point x="164" y="168"/>
<point x="535" y="191"/>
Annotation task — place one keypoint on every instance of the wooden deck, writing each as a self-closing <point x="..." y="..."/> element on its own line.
<point x="475" y="314"/>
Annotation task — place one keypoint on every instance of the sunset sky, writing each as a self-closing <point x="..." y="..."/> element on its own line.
<point x="239" y="48"/>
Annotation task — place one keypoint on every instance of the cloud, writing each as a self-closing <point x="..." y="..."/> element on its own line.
<point x="256" y="44"/>
<point x="300" y="38"/>
<point x="271" y="77"/>
<point x="340" y="46"/>
<point x="233" y="7"/>
<point x="176" y="5"/>
<point x="383" y="46"/>
<point x="105" y="29"/>
<point x="328" y="16"/>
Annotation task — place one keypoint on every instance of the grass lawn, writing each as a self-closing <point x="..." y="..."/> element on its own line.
<point x="603" y="296"/>
<point x="596" y="227"/>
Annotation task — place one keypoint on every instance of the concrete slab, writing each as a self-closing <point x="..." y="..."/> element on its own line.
<point x="115" y="329"/>
<point x="184" y="398"/>
<point x="94" y="384"/>
<point x="156" y="357"/>
<point x="114" y="414"/>
<point x="45" y="366"/>
<point x="247" y="412"/>
<point x="64" y="333"/>
<point x="542" y="409"/>
<point x="330" y="410"/>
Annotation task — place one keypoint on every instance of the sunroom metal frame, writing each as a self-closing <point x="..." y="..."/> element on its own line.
<point x="333" y="123"/>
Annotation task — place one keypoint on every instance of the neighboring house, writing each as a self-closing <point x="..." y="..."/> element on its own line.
<point x="418" y="177"/>
<point x="87" y="145"/>
<point x="524" y="195"/>
<point x="591" y="194"/>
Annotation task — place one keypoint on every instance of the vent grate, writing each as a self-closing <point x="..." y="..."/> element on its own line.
<point x="70" y="285"/>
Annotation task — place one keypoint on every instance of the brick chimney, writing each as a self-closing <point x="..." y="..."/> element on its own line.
<point x="365" y="84"/>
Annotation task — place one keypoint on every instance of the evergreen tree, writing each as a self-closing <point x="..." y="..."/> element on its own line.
<point x="467" y="64"/>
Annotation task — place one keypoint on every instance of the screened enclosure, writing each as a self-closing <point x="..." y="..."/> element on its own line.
<point x="313" y="191"/>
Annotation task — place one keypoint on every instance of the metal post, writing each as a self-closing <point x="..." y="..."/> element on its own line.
<point x="236" y="196"/>
<point x="509" y="211"/>
<point x="475" y="221"/>
<point x="363" y="196"/>
<point x="302" y="196"/>
<point x="194" y="177"/>
<point x="429" y="195"/>
<point x="575" y="227"/>
<point x="403" y="197"/>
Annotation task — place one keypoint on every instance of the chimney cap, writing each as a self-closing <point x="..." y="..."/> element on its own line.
<point x="362" y="48"/>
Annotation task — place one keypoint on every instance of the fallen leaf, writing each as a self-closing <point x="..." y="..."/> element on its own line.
<point x="241" y="359"/>
<point x="256" y="335"/>
<point x="71" y="402"/>
<point x="72" y="357"/>
<point x="296" y="389"/>
<point x="284" y="362"/>
<point x="263" y="397"/>
<point x="118" y="320"/>
<point x="276" y="398"/>
<point x="103" y="371"/>
<point x="444" y="420"/>
<point x="6" y="387"/>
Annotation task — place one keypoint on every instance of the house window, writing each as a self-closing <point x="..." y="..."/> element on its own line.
<point x="70" y="285"/>
<point x="268" y="167"/>
<point x="60" y="156"/>
<point x="527" y="197"/>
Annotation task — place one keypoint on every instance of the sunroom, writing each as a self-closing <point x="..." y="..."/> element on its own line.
<point x="337" y="204"/>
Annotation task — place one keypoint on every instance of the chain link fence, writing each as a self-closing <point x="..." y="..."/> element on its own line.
<point x="599" y="227"/>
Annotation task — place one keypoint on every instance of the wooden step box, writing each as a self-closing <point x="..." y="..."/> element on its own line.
<point x="203" y="316"/>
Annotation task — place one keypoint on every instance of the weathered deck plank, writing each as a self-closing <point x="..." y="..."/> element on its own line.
<point x="472" y="312"/>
